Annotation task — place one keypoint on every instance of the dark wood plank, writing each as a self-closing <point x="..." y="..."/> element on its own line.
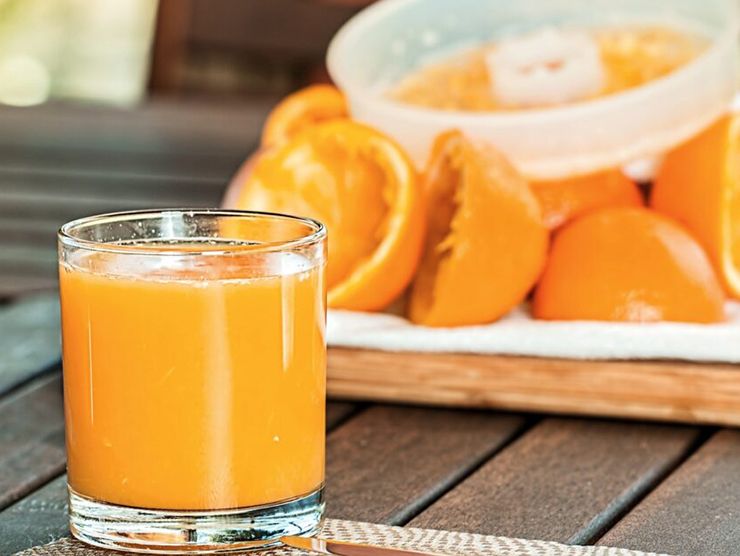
<point x="67" y="205"/>
<point x="696" y="511"/>
<point x="338" y="412"/>
<point x="34" y="206"/>
<point x="14" y="286"/>
<point x="190" y="140"/>
<point x="22" y="230"/>
<point x="24" y="260"/>
<point x="37" y="519"/>
<point x="565" y="480"/>
<point x="29" y="338"/>
<point x="389" y="462"/>
<point x="97" y="182"/>
<point x="18" y="280"/>
<point x="158" y="160"/>
<point x="179" y="127"/>
<point x="31" y="438"/>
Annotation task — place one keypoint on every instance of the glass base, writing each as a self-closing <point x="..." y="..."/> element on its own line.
<point x="192" y="532"/>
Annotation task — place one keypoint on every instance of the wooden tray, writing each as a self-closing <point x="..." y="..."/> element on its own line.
<point x="661" y="390"/>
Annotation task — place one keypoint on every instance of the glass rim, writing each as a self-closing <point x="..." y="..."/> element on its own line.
<point x="67" y="237"/>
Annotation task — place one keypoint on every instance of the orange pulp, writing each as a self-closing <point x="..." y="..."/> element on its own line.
<point x="631" y="56"/>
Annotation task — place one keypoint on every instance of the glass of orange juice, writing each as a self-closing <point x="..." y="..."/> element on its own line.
<point x="194" y="378"/>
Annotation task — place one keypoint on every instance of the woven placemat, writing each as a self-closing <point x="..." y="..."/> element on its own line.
<point x="443" y="542"/>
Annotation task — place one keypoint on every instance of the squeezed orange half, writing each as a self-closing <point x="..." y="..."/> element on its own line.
<point x="194" y="389"/>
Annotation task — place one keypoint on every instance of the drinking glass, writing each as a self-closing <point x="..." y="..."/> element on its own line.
<point x="194" y="378"/>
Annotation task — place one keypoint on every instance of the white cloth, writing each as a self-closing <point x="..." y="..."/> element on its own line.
<point x="519" y="334"/>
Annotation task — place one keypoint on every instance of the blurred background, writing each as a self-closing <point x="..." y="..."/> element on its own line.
<point x="120" y="53"/>
<point x="112" y="105"/>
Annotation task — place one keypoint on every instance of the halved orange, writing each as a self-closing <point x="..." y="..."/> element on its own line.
<point x="628" y="264"/>
<point x="698" y="184"/>
<point x="303" y="109"/>
<point x="565" y="199"/>
<point x="364" y="188"/>
<point x="486" y="242"/>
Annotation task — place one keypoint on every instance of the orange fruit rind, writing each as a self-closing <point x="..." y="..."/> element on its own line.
<point x="698" y="184"/>
<point x="566" y="199"/>
<point x="364" y="188"/>
<point x="486" y="242"/>
<point x="301" y="110"/>
<point x="628" y="264"/>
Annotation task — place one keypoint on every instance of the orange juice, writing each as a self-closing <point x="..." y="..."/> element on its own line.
<point x="193" y="388"/>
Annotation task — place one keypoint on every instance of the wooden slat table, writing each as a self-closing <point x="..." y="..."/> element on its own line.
<point x="653" y="487"/>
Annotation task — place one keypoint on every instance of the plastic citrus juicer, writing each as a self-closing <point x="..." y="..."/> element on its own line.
<point x="384" y="43"/>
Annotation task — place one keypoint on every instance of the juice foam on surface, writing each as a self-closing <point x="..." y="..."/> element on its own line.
<point x="193" y="383"/>
<point x="217" y="262"/>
